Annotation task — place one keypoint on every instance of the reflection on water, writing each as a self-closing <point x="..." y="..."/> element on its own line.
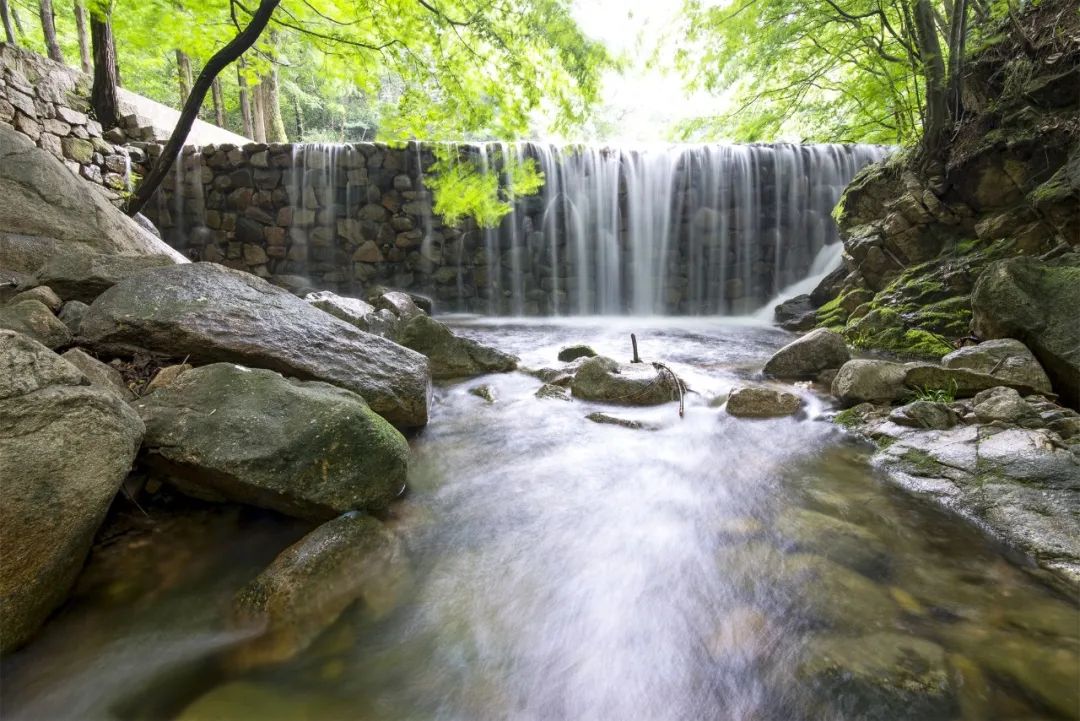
<point x="715" y="568"/>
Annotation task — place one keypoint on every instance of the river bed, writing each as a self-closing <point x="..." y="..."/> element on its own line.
<point x="710" y="568"/>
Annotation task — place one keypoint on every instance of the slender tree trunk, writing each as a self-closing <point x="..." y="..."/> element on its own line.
<point x="19" y="29"/>
<point x="258" y="113"/>
<point x="84" y="38"/>
<point x="48" y="29"/>
<point x="957" y="41"/>
<point x="183" y="74"/>
<point x="933" y="68"/>
<point x="219" y="103"/>
<point x="103" y="97"/>
<point x="217" y="62"/>
<point x="9" y="32"/>
<point x="275" y="124"/>
<point x="299" y="113"/>
<point x="245" y="101"/>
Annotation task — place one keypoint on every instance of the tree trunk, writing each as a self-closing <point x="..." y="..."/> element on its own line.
<point x="299" y="113"/>
<point x="957" y="41"/>
<point x="258" y="113"/>
<point x="219" y="103"/>
<point x="933" y="68"/>
<point x="275" y="124"/>
<point x="84" y="38"/>
<point x="9" y="32"/>
<point x="217" y="62"/>
<point x="103" y="97"/>
<point x="183" y="74"/>
<point x="48" y="29"/>
<point x="245" y="101"/>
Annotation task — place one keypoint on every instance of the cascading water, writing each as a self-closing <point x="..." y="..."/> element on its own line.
<point x="649" y="230"/>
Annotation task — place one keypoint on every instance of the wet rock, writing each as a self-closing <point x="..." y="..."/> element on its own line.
<point x="1035" y="302"/>
<point x="808" y="356"/>
<point x="1002" y="404"/>
<point x="65" y="449"/>
<point x="484" y="392"/>
<point x="211" y="313"/>
<point x="636" y="384"/>
<point x="607" y="419"/>
<point x="839" y="541"/>
<point x="356" y="312"/>
<point x="797" y="314"/>
<point x="34" y="319"/>
<point x="167" y="376"/>
<point x="41" y="293"/>
<point x="573" y="352"/>
<point x="960" y="382"/>
<point x="71" y="315"/>
<point x="451" y="356"/>
<point x="399" y="303"/>
<point x="308" y="586"/>
<point x="1005" y="358"/>
<point x="553" y="376"/>
<point x="828" y="593"/>
<point x="83" y="276"/>
<point x="762" y="402"/>
<point x="552" y="391"/>
<point x="302" y="448"/>
<point x="924" y="414"/>
<point x="47" y="212"/>
<point x="886" y="676"/>
<point x="869" y="381"/>
<point x="99" y="374"/>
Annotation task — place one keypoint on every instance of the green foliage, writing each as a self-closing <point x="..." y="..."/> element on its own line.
<point x="462" y="188"/>
<point x="935" y="395"/>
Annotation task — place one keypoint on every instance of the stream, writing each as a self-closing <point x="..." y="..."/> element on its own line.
<point x="712" y="568"/>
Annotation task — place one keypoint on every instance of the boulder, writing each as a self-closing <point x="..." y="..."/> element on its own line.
<point x="636" y="384"/>
<point x="1004" y="405"/>
<point x="399" y="303"/>
<point x="41" y="293"/>
<point x="960" y="382"/>
<point x="12" y="283"/>
<point x="302" y="448"/>
<point x="71" y="315"/>
<point x="484" y="392"/>
<point x="1035" y="302"/>
<point x="924" y="414"/>
<point x="551" y="391"/>
<point x="33" y="318"/>
<point x="211" y="313"/>
<point x="573" y="352"/>
<point x="796" y="314"/>
<point x="808" y="356"/>
<point x="1005" y="358"/>
<point x="308" y="586"/>
<point x="355" y="312"/>
<point x="47" y="210"/>
<point x="762" y="402"/>
<point x="83" y="276"/>
<point x="451" y="355"/>
<point x="99" y="374"/>
<point x="880" y="676"/>
<point x="65" y="449"/>
<point x="610" y="420"/>
<point x="872" y="381"/>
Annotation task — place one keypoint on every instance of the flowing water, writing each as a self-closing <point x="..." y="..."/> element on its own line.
<point x="565" y="570"/>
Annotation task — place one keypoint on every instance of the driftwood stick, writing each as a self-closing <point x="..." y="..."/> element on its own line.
<point x="633" y="341"/>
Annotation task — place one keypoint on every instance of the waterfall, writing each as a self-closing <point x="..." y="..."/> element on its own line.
<point x="644" y="230"/>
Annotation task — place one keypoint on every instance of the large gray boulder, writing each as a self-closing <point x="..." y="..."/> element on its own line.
<point x="356" y="312"/>
<point x="99" y="374"/>
<point x="313" y="581"/>
<point x="1037" y="303"/>
<point x="865" y="380"/>
<point x="806" y="357"/>
<point x="82" y="275"/>
<point x="633" y="384"/>
<point x="303" y="448"/>
<point x="47" y="210"/>
<point x="451" y="355"/>
<point x="65" y="449"/>
<point x="33" y="318"/>
<point x="1005" y="358"/>
<point x="762" y="402"/>
<point x="211" y="313"/>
